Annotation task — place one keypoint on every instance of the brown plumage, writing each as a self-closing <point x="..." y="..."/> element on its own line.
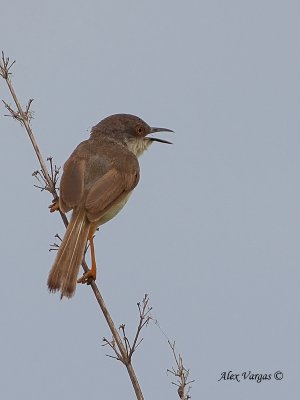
<point x="63" y="275"/>
<point x="96" y="183"/>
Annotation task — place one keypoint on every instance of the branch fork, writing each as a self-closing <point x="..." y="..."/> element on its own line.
<point x="144" y="319"/>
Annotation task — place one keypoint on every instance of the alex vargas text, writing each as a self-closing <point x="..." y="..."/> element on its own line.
<point x="246" y="375"/>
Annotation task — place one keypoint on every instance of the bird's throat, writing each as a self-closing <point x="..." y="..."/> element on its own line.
<point x="138" y="145"/>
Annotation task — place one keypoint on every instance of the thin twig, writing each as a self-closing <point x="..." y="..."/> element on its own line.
<point x="182" y="374"/>
<point x="144" y="318"/>
<point x="24" y="117"/>
<point x="112" y="344"/>
<point x="50" y="180"/>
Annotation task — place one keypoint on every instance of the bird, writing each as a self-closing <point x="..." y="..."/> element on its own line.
<point x="97" y="181"/>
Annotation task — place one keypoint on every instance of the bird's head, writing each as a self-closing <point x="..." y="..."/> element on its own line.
<point x="130" y="130"/>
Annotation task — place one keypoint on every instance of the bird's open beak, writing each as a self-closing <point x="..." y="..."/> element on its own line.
<point x="153" y="130"/>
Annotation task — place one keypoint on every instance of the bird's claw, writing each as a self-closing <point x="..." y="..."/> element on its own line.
<point x="54" y="206"/>
<point x="87" y="278"/>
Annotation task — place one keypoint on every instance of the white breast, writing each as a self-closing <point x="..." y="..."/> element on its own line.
<point x="137" y="146"/>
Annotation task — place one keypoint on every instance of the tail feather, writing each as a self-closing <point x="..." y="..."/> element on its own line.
<point x="63" y="274"/>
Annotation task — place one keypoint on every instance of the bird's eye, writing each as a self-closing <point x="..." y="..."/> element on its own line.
<point x="139" y="129"/>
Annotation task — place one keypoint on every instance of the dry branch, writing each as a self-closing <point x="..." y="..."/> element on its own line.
<point x="181" y="374"/>
<point x="144" y="319"/>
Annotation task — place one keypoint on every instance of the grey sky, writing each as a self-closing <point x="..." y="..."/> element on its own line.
<point x="212" y="231"/>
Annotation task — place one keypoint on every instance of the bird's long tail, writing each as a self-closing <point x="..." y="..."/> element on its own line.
<point x="63" y="274"/>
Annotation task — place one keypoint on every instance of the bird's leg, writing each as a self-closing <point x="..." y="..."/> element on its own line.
<point x="91" y="274"/>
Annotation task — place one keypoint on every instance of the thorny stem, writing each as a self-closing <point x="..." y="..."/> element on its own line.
<point x="24" y="118"/>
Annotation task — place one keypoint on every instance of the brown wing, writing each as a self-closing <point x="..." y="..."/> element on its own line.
<point x="107" y="191"/>
<point x="72" y="184"/>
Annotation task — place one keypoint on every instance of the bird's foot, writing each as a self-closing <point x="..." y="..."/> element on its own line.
<point x="87" y="277"/>
<point x="54" y="206"/>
